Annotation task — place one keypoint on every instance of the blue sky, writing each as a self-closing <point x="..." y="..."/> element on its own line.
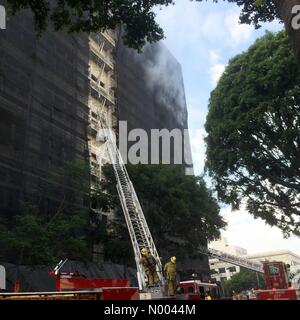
<point x="203" y="37"/>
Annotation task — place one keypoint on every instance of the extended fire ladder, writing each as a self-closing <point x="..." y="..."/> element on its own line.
<point x="137" y="226"/>
<point x="230" y="258"/>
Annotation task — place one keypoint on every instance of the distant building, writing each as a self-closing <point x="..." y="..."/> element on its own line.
<point x="285" y="256"/>
<point x="220" y="270"/>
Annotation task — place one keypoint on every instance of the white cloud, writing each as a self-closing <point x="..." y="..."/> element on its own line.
<point x="217" y="69"/>
<point x="225" y="28"/>
<point x="183" y="26"/>
<point x="254" y="235"/>
<point x="238" y="33"/>
<point x="214" y="56"/>
<point x="198" y="149"/>
<point x="196" y="112"/>
<point x="196" y="116"/>
<point x="215" y="73"/>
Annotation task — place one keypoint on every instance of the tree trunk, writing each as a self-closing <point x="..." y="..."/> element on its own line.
<point x="284" y="8"/>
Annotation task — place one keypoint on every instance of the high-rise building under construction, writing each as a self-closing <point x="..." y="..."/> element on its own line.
<point x="51" y="91"/>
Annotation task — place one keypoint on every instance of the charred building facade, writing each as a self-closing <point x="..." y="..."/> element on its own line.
<point x="150" y="95"/>
<point x="51" y="89"/>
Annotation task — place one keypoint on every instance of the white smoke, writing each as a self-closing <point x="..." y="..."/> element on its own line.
<point x="164" y="79"/>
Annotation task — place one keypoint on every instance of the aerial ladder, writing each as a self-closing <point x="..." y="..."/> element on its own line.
<point x="230" y="258"/>
<point x="136" y="223"/>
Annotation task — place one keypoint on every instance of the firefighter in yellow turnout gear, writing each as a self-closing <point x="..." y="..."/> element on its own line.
<point x="170" y="276"/>
<point x="149" y="263"/>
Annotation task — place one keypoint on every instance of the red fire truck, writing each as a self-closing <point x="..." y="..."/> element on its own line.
<point x="278" y="280"/>
<point x="196" y="290"/>
<point x="278" y="283"/>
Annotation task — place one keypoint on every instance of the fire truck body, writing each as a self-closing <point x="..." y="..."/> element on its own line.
<point x="195" y="290"/>
<point x="277" y="294"/>
<point x="98" y="294"/>
<point x="72" y="281"/>
<point x="277" y="283"/>
<point x="107" y="289"/>
<point x="72" y="286"/>
<point x="276" y="275"/>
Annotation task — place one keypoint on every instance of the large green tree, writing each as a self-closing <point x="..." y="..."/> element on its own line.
<point x="176" y="206"/>
<point x="253" y="142"/>
<point x="244" y="280"/>
<point x="136" y="16"/>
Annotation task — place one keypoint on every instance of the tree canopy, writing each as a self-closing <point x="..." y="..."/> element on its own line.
<point x="253" y="142"/>
<point x="176" y="206"/>
<point x="137" y="17"/>
<point x="255" y="11"/>
<point x="243" y="281"/>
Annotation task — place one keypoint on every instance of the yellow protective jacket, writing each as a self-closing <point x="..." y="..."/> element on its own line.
<point x="170" y="271"/>
<point x="148" y="262"/>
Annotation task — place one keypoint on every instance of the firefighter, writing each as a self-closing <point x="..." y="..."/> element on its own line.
<point x="170" y="276"/>
<point x="149" y="263"/>
<point x="208" y="296"/>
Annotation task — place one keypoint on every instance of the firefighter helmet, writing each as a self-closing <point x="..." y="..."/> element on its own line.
<point x="143" y="251"/>
<point x="173" y="259"/>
